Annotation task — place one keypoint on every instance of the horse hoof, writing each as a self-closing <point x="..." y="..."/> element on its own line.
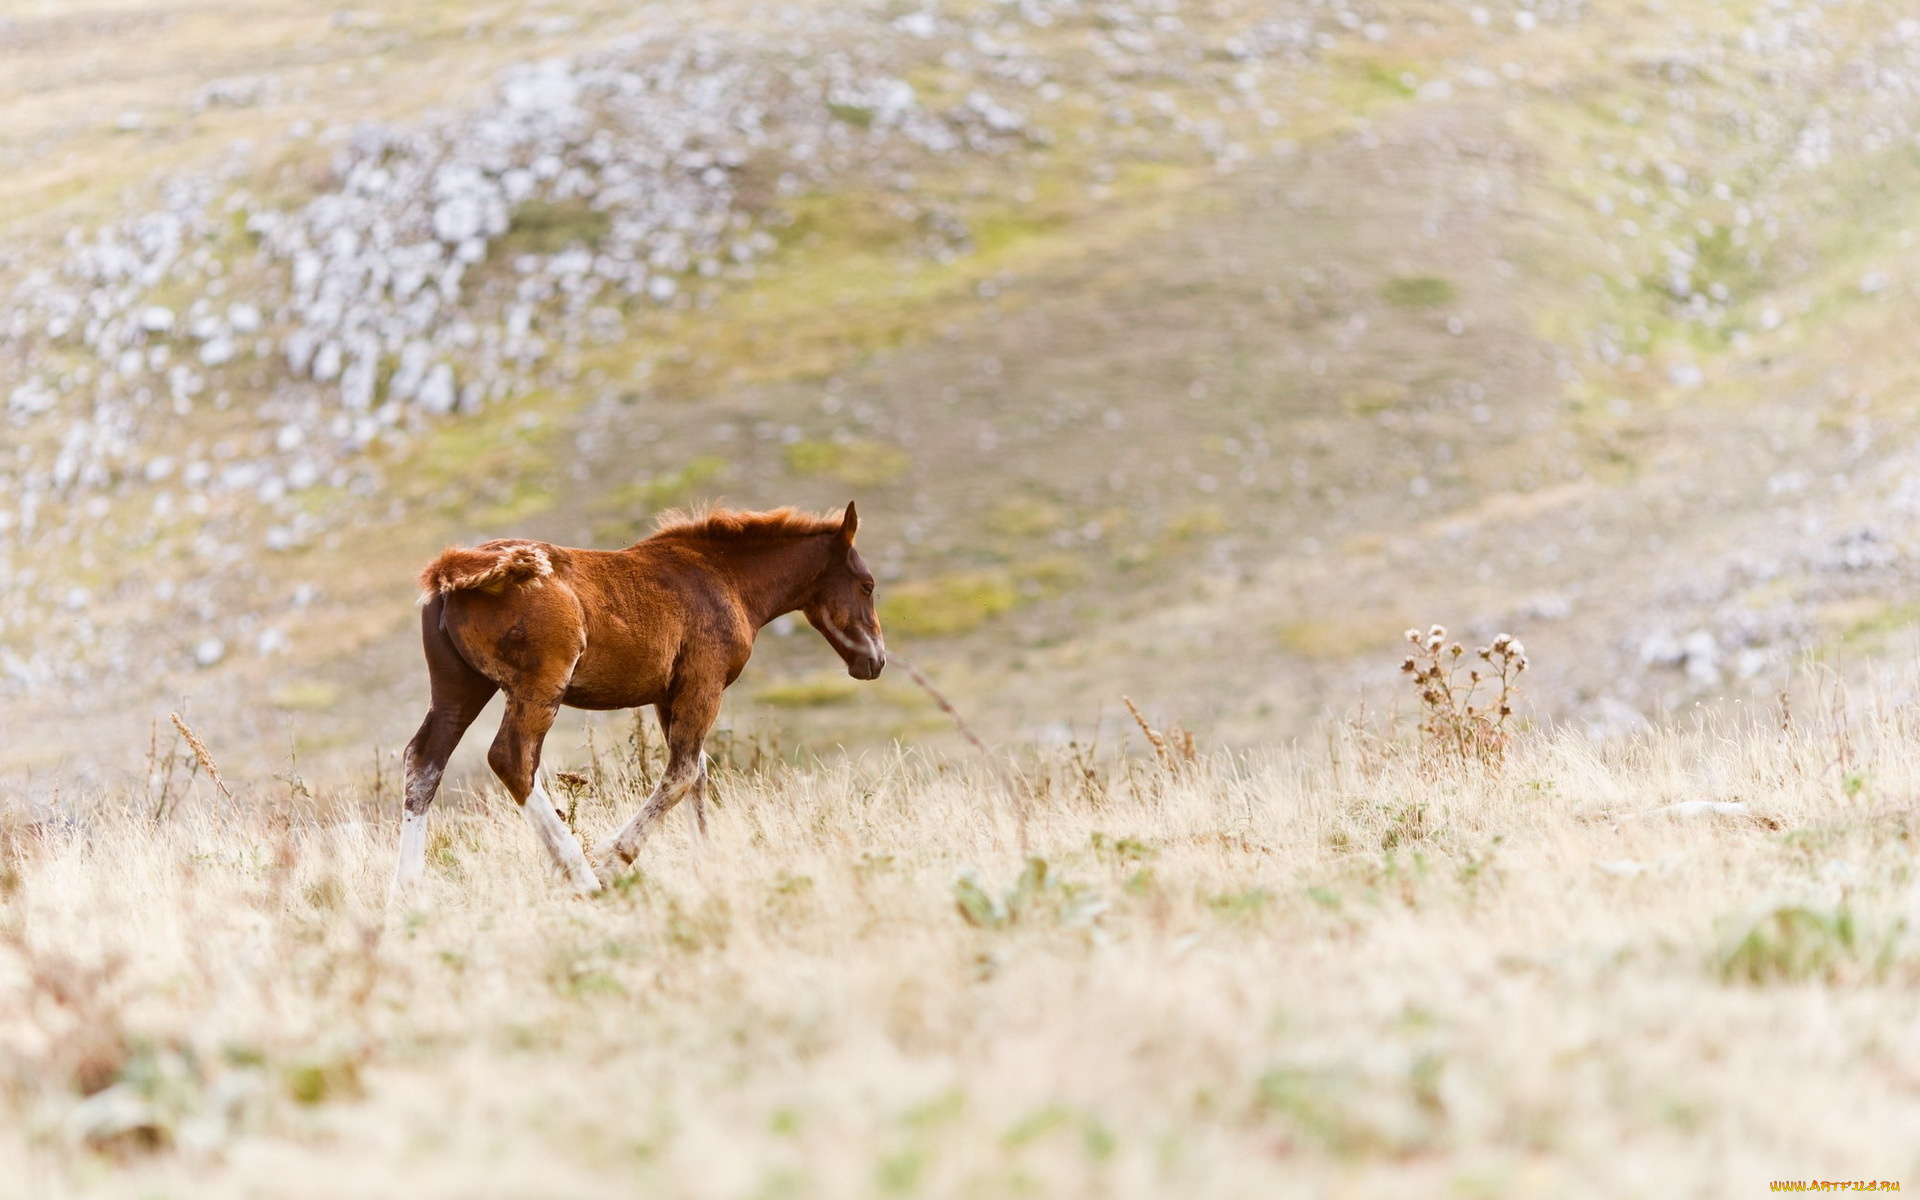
<point x="606" y="869"/>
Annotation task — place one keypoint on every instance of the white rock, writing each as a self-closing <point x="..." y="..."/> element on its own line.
<point x="209" y="651"/>
<point x="1703" y="808"/>
<point x="32" y="397"/>
<point x="458" y="219"/>
<point x="1702" y="654"/>
<point x="1628" y="868"/>
<point x="1661" y="649"/>
<point x="326" y="362"/>
<point x="922" y="25"/>
<point x="437" y="394"/>
<point x="244" y="318"/>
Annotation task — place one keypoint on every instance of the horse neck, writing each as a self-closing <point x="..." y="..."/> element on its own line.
<point x="774" y="577"/>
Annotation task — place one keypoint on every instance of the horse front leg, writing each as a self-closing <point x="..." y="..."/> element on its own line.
<point x="697" y="796"/>
<point x="686" y="722"/>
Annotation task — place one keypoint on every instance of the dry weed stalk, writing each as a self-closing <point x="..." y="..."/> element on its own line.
<point x="379" y="781"/>
<point x="574" y="783"/>
<point x="201" y="753"/>
<point x="160" y="774"/>
<point x="640" y="753"/>
<point x="1453" y="726"/>
<point x="1174" y="750"/>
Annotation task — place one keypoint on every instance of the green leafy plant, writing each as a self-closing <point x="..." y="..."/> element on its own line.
<point x="1792" y="943"/>
<point x="984" y="910"/>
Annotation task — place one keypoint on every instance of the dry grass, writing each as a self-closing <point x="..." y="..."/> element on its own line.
<point x="1335" y="974"/>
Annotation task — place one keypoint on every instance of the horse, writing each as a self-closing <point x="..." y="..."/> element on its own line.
<point x="669" y="621"/>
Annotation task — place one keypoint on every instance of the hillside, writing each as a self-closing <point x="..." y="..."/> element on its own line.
<point x="1187" y="352"/>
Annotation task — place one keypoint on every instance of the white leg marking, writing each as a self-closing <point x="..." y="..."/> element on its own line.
<point x="558" y="841"/>
<point x="624" y="846"/>
<point x="413" y="852"/>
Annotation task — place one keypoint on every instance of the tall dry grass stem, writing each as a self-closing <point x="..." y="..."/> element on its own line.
<point x="202" y="754"/>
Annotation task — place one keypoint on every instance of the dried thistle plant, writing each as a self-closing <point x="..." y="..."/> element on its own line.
<point x="1455" y="723"/>
<point x="573" y="783"/>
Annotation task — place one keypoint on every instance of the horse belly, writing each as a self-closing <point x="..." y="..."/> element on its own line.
<point x="605" y="678"/>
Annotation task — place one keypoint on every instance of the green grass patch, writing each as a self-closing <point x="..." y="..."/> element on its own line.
<point x="550" y="226"/>
<point x="808" y="693"/>
<point x="1049" y="576"/>
<point x="484" y="457"/>
<point x="1418" y="291"/>
<point x="1793" y="943"/>
<point x="1339" y="637"/>
<point x="1207" y="520"/>
<point x="1024" y="517"/>
<point x="949" y="605"/>
<point x="1234" y="906"/>
<point x="852" y="114"/>
<point x="1374" y="396"/>
<point x="857" y="463"/>
<point x="633" y="505"/>
<point x="853" y="278"/>
<point x="316" y="1081"/>
<point x="306" y="695"/>
<point x="1869" y="622"/>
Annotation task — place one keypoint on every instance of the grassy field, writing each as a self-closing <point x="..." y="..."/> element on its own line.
<point x="1681" y="964"/>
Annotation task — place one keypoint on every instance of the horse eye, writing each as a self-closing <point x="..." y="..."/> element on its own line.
<point x="866" y="585"/>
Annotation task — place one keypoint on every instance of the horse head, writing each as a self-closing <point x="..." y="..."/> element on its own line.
<point x="841" y="605"/>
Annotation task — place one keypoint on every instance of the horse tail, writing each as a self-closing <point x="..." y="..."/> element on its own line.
<point x="487" y="567"/>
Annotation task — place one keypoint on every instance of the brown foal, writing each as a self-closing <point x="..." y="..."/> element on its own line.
<point x="669" y="621"/>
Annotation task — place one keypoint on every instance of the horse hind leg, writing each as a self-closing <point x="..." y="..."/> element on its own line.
<point x="515" y="758"/>
<point x="459" y="693"/>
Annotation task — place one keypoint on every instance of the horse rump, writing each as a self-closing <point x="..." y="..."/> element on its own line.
<point x="487" y="567"/>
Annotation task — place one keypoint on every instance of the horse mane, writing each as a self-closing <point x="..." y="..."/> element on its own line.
<point x="738" y="523"/>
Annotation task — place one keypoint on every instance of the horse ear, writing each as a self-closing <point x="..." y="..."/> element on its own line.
<point x="849" y="523"/>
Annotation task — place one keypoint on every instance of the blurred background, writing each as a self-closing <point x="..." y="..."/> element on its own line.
<point x="1185" y="351"/>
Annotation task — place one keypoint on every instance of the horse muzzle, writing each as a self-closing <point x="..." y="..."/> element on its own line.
<point x="866" y="666"/>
